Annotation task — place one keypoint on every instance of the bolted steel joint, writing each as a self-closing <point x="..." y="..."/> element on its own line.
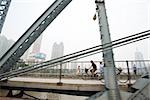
<point x="99" y="1"/>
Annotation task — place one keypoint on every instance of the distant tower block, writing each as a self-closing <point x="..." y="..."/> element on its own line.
<point x="37" y="45"/>
<point x="4" y="5"/>
<point x="140" y="64"/>
<point x="57" y="50"/>
<point x="5" y="44"/>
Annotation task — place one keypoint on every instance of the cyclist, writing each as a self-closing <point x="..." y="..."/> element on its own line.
<point x="94" y="67"/>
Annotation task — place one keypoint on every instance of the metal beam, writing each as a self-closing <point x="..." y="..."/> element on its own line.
<point x="76" y="55"/>
<point x="60" y="91"/>
<point x="111" y="85"/>
<point x="4" y="6"/>
<point x="35" y="30"/>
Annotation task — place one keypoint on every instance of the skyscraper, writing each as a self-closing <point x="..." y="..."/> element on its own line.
<point x="33" y="54"/>
<point x="57" y="50"/>
<point x="141" y="67"/>
<point x="5" y="44"/>
<point x="37" y="45"/>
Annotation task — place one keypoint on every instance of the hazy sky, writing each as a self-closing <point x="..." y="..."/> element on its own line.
<point x="76" y="28"/>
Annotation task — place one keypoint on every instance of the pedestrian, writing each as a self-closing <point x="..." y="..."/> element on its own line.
<point x="78" y="70"/>
<point x="101" y="67"/>
<point x="134" y="69"/>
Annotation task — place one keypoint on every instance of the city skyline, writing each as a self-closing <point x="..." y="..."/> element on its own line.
<point x="140" y="65"/>
<point x="34" y="53"/>
<point x="5" y="44"/>
<point x="76" y="29"/>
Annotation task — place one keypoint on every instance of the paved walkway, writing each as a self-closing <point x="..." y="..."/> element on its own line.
<point x="53" y="83"/>
<point x="56" y="80"/>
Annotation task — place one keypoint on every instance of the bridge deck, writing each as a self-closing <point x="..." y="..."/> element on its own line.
<point x="68" y="86"/>
<point x="71" y="84"/>
<point x="54" y="80"/>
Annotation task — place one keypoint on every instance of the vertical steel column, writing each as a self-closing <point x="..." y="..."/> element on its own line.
<point x="129" y="75"/>
<point x="60" y="73"/>
<point x="109" y="65"/>
<point x="4" y="6"/>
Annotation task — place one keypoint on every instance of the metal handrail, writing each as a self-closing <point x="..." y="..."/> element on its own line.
<point x="74" y="56"/>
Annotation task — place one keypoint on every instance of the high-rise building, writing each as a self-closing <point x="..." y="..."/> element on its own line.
<point x="33" y="54"/>
<point x="57" y="50"/>
<point x="140" y="64"/>
<point x="5" y="44"/>
<point x="37" y="45"/>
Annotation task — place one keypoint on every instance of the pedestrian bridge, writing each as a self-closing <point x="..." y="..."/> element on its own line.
<point x="64" y="81"/>
<point x="80" y="87"/>
<point x="70" y="86"/>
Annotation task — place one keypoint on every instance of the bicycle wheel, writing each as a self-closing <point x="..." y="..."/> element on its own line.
<point x="102" y="80"/>
<point x="122" y="77"/>
<point x="101" y="77"/>
<point x="83" y="76"/>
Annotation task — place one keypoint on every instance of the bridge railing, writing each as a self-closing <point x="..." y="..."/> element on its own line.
<point x="69" y="70"/>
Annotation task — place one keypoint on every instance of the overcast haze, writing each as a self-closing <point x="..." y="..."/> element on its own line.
<point x="75" y="27"/>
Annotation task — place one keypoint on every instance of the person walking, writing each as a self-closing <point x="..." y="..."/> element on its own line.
<point x="101" y="67"/>
<point x="134" y="69"/>
<point x="78" y="70"/>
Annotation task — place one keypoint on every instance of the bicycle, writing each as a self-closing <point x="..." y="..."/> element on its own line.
<point x="86" y="74"/>
<point x="122" y="77"/>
